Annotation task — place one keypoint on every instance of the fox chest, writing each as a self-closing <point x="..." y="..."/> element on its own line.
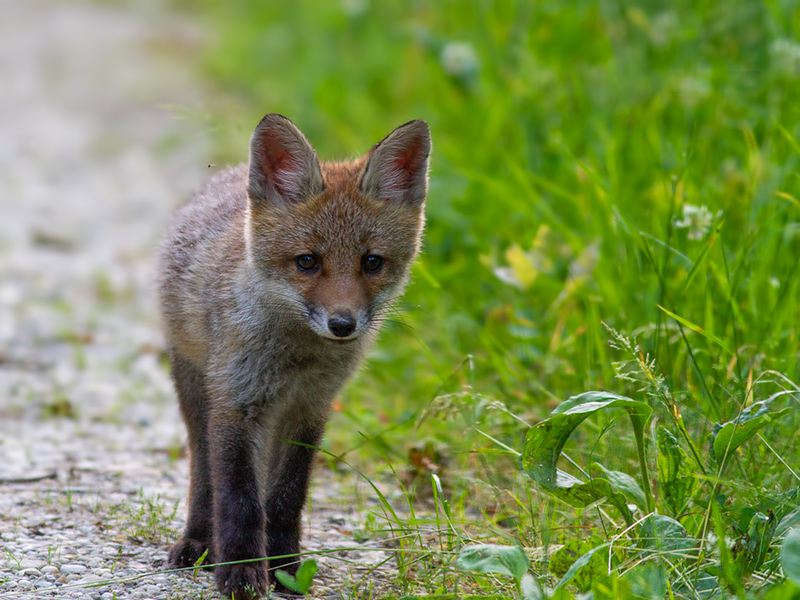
<point x="270" y="382"/>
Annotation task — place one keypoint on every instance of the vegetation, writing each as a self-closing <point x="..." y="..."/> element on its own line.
<point x="614" y="205"/>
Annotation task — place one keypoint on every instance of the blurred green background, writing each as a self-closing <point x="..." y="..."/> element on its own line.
<point x="592" y="161"/>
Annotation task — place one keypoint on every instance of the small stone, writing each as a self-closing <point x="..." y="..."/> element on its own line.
<point x="31" y="572"/>
<point x="73" y="569"/>
<point x="49" y="570"/>
<point x="32" y="564"/>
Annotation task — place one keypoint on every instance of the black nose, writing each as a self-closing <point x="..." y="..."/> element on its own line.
<point x="342" y="324"/>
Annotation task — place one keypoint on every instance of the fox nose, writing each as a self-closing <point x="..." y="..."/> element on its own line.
<point x="341" y="324"/>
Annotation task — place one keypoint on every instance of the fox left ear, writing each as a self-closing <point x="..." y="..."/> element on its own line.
<point x="397" y="166"/>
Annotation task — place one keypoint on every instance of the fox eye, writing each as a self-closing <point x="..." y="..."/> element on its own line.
<point x="371" y="263"/>
<point x="306" y="262"/>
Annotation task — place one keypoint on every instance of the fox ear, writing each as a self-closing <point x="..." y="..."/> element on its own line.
<point x="283" y="165"/>
<point x="397" y="166"/>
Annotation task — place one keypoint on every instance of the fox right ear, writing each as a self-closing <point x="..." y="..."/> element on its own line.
<point x="397" y="166"/>
<point x="283" y="165"/>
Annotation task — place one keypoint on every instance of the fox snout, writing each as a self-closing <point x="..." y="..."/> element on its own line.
<point x="340" y="324"/>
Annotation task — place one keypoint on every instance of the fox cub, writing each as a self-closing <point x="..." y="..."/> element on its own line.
<point x="273" y="281"/>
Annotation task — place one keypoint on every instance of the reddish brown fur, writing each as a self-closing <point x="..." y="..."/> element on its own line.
<point x="339" y="225"/>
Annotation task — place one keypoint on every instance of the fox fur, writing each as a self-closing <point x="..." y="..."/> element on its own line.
<point x="260" y="345"/>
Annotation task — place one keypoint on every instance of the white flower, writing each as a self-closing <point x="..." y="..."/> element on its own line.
<point x="693" y="90"/>
<point x="355" y="8"/>
<point x="459" y="59"/>
<point x="786" y="56"/>
<point x="697" y="219"/>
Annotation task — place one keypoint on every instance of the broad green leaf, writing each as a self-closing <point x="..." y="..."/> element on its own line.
<point x="624" y="484"/>
<point x="583" y="493"/>
<point x="788" y="522"/>
<point x="301" y="581"/>
<point x="305" y="574"/>
<point x="728" y="436"/>
<point x="666" y="536"/>
<point x="675" y="476"/>
<point x="647" y="581"/>
<point x="287" y="580"/>
<point x="755" y="542"/>
<point x="530" y="588"/>
<point x="786" y="590"/>
<point x="545" y="441"/>
<point x="577" y="566"/>
<point x="790" y="555"/>
<point x="493" y="558"/>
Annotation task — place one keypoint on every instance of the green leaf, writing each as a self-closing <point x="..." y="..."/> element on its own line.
<point x="788" y="522"/>
<point x="545" y="441"/>
<point x="790" y="555"/>
<point x="583" y="493"/>
<point x="647" y="581"/>
<point x="624" y="484"/>
<point x="697" y="329"/>
<point x="577" y="566"/>
<point x="300" y="582"/>
<point x="530" y="589"/>
<point x="201" y="559"/>
<point x="665" y="535"/>
<point x="675" y="476"/>
<point x="755" y="543"/>
<point x="728" y="436"/>
<point x="305" y="575"/>
<point x="786" y="590"/>
<point x="287" y="580"/>
<point x="493" y="558"/>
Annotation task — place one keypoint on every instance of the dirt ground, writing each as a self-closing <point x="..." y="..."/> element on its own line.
<point x="102" y="137"/>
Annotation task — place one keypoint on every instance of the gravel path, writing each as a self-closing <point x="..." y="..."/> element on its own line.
<point x="92" y="472"/>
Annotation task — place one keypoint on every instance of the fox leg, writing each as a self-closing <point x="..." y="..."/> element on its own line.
<point x="238" y="513"/>
<point x="197" y="536"/>
<point x="287" y="487"/>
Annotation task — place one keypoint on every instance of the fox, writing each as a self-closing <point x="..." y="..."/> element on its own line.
<point x="273" y="282"/>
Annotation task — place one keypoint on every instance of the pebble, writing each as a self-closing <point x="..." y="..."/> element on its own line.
<point x="32" y="564"/>
<point x="49" y="570"/>
<point x="31" y="572"/>
<point x="73" y="569"/>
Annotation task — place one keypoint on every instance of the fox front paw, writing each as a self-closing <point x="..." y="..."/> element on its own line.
<point x="242" y="581"/>
<point x="186" y="552"/>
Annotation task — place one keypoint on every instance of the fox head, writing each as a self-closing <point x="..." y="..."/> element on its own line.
<point x="335" y="240"/>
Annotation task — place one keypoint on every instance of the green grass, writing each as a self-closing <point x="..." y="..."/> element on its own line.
<point x="614" y="205"/>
